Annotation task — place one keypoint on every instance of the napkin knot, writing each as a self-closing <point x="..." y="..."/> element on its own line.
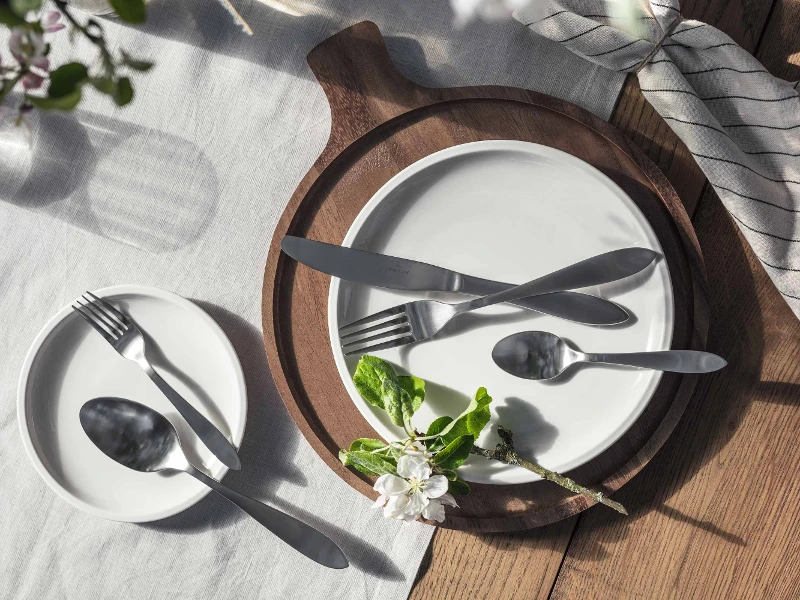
<point x="667" y="32"/>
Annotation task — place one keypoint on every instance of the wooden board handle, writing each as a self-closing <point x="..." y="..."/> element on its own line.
<point x="363" y="86"/>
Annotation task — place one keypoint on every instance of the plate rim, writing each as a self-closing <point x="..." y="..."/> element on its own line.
<point x="455" y="151"/>
<point x="24" y="383"/>
<point x="345" y="149"/>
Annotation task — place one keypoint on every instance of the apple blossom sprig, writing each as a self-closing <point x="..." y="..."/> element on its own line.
<point x="418" y="475"/>
<point x="31" y="66"/>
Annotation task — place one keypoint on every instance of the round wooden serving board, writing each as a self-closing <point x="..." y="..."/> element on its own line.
<point x="382" y="123"/>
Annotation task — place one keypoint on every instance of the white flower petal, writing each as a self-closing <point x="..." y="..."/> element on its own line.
<point x="434" y="510"/>
<point x="435" y="486"/>
<point x="395" y="506"/>
<point x="413" y="466"/>
<point x="390" y="484"/>
<point x="448" y="500"/>
<point x="380" y="502"/>
<point x="51" y="17"/>
<point x="380" y="483"/>
<point x="416" y="504"/>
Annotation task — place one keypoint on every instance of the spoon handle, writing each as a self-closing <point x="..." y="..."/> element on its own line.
<point x="677" y="361"/>
<point x="303" y="538"/>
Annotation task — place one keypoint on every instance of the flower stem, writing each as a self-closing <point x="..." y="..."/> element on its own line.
<point x="97" y="40"/>
<point x="505" y="453"/>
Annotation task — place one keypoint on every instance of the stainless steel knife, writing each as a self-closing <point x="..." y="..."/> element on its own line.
<point x="403" y="274"/>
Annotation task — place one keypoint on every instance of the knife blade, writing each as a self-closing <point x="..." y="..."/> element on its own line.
<point x="396" y="273"/>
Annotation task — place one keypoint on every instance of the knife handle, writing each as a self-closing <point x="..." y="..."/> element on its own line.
<point x="602" y="268"/>
<point x="572" y="306"/>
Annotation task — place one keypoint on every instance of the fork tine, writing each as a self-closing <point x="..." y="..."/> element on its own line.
<point x="385" y="345"/>
<point x="397" y="320"/>
<point x="115" y="328"/>
<point x="395" y="310"/>
<point x="90" y="319"/>
<point x="405" y="329"/>
<point x="108" y="309"/>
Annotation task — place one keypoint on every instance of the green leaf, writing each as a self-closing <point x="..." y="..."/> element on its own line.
<point x="105" y="85"/>
<point x="455" y="453"/>
<point x="9" y="18"/>
<point x="450" y="474"/>
<point x="472" y="420"/>
<point x="366" y="462"/>
<point x="66" y="79"/>
<point x="20" y="7"/>
<point x="378" y="384"/>
<point x="67" y="102"/>
<point x="393" y="402"/>
<point x="124" y="92"/>
<point x="368" y="379"/>
<point x="367" y="444"/>
<point x="130" y="11"/>
<point x="136" y="65"/>
<point x="458" y="487"/>
<point x="436" y="428"/>
<point x="438" y="425"/>
<point x="415" y="388"/>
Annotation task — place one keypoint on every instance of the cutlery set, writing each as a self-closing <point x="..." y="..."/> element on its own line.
<point x="530" y="355"/>
<point x="144" y="440"/>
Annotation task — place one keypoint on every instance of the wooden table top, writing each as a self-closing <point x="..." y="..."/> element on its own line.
<point x="716" y="513"/>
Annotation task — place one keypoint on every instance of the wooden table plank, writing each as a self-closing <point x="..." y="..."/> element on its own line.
<point x="530" y="561"/>
<point x="713" y="514"/>
<point x="468" y="566"/>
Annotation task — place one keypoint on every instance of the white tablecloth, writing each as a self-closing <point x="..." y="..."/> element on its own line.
<point x="182" y="190"/>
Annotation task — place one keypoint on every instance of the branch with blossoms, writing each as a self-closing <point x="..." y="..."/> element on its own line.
<point x="30" y="67"/>
<point x="418" y="475"/>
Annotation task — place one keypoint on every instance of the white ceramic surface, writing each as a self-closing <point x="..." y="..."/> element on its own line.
<point x="69" y="363"/>
<point x="511" y="211"/>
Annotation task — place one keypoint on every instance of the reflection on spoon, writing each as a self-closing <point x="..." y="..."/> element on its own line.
<point x="144" y="440"/>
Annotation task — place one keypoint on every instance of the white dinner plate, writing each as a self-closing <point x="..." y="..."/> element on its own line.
<point x="511" y="211"/>
<point x="69" y="364"/>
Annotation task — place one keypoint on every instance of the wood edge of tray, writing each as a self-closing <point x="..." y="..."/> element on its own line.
<point x="691" y="248"/>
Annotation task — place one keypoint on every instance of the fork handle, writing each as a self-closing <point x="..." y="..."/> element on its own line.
<point x="205" y="430"/>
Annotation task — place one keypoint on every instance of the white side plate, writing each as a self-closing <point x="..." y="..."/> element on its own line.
<point x="69" y="364"/>
<point x="511" y="211"/>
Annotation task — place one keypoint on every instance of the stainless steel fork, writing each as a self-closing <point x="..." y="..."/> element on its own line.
<point x="417" y="321"/>
<point x="126" y="338"/>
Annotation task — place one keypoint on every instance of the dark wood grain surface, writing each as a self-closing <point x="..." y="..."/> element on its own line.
<point x="382" y="123"/>
<point x="714" y="514"/>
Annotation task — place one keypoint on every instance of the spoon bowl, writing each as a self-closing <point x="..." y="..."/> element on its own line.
<point x="534" y="355"/>
<point x="132" y="434"/>
<point x="142" y="439"/>
<point x="541" y="355"/>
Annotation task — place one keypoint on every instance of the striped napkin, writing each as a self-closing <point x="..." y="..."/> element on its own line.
<point x="741" y="124"/>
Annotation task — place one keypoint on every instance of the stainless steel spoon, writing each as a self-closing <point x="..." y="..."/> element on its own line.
<point x="543" y="355"/>
<point x="144" y="440"/>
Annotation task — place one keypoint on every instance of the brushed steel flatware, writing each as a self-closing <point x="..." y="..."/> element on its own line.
<point x="395" y="273"/>
<point x="542" y="355"/>
<point x="126" y="338"/>
<point x="417" y="321"/>
<point x="144" y="440"/>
